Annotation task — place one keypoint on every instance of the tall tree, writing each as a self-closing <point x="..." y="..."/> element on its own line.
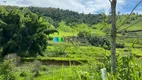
<point x="113" y="35"/>
<point x="23" y="33"/>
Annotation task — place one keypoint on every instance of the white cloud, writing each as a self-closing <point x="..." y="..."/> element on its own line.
<point x="97" y="5"/>
<point x="121" y="2"/>
<point x="86" y="6"/>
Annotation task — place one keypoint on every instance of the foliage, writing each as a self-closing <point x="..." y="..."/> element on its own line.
<point x="50" y="38"/>
<point x="63" y="27"/>
<point x="23" y="74"/>
<point x="128" y="69"/>
<point x="14" y="59"/>
<point x="98" y="41"/>
<point x="120" y="45"/>
<point x="60" y="49"/>
<point x="70" y="17"/>
<point x="84" y="34"/>
<point x="23" y="34"/>
<point x="36" y="68"/>
<point x="6" y="70"/>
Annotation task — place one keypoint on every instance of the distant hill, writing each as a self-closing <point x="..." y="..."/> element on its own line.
<point x="68" y="16"/>
<point x="71" y="18"/>
<point x="56" y="15"/>
<point x="133" y="23"/>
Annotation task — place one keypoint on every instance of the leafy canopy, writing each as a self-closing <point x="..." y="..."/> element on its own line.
<point x="22" y="33"/>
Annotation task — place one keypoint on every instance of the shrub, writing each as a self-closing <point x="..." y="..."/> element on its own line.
<point x="6" y="70"/>
<point x="60" y="49"/>
<point x="94" y="27"/>
<point x="95" y="40"/>
<point x="23" y="74"/>
<point x="99" y="41"/>
<point x="36" y="68"/>
<point x="14" y="58"/>
<point x="50" y="38"/>
<point x="84" y="34"/>
<point x="128" y="68"/>
<point x="119" y="45"/>
<point x="128" y="22"/>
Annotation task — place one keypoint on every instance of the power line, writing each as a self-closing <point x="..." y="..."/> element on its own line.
<point x="129" y="14"/>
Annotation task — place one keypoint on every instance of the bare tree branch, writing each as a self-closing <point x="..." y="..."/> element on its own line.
<point x="130" y="14"/>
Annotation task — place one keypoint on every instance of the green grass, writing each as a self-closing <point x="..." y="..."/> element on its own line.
<point x="63" y="34"/>
<point x="81" y="51"/>
<point x="98" y="32"/>
<point x="132" y="27"/>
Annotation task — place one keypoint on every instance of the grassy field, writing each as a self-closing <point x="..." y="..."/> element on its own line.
<point x="95" y="56"/>
<point x="133" y="25"/>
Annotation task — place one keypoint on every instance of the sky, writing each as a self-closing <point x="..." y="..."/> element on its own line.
<point x="85" y="6"/>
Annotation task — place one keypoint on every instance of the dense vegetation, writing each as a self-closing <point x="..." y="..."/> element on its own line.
<point x="22" y="33"/>
<point x="56" y="15"/>
<point x="70" y="17"/>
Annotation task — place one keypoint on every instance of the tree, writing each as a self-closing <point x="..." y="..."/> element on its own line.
<point x="23" y="33"/>
<point x="113" y="35"/>
<point x="69" y="17"/>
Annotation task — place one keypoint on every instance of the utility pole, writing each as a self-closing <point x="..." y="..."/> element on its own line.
<point x="113" y="35"/>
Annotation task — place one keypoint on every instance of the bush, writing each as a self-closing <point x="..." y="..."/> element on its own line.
<point x="6" y="70"/>
<point x="128" y="22"/>
<point x="60" y="49"/>
<point x="36" y="68"/>
<point x="127" y="67"/>
<point x="99" y="42"/>
<point x="94" y="27"/>
<point x="50" y="38"/>
<point x="23" y="74"/>
<point x="119" y="45"/>
<point x="95" y="40"/>
<point x="84" y="34"/>
<point x="14" y="58"/>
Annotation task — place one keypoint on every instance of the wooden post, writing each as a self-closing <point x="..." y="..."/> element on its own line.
<point x="113" y="36"/>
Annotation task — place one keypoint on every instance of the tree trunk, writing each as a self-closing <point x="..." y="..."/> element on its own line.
<point x="113" y="36"/>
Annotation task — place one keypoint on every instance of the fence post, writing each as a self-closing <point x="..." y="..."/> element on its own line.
<point x="103" y="71"/>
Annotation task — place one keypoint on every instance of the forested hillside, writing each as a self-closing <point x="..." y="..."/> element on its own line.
<point x="56" y="15"/>
<point x="69" y="17"/>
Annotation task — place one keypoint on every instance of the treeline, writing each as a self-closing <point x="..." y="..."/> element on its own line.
<point x="69" y="17"/>
<point x="56" y="15"/>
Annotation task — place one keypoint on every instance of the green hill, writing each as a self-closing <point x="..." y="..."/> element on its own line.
<point x="133" y="23"/>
